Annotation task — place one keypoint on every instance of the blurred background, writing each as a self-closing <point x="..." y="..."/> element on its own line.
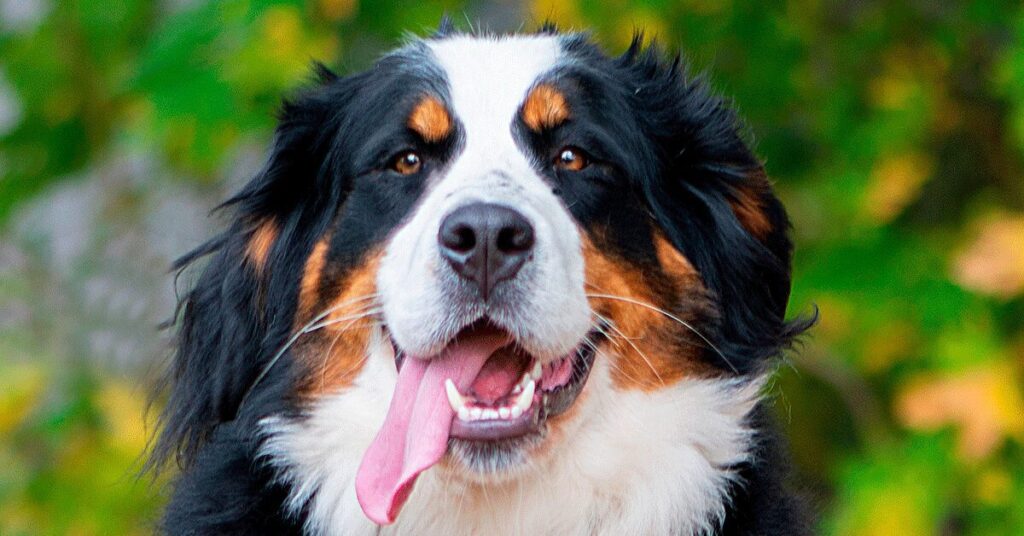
<point x="894" y="132"/>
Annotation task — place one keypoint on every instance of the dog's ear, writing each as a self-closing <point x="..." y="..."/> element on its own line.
<point x="231" y="322"/>
<point x="714" y="201"/>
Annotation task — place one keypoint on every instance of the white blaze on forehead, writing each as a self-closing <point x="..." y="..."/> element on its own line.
<point x="424" y="303"/>
<point x="489" y="79"/>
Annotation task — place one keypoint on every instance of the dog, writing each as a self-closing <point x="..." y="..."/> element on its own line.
<point x="495" y="284"/>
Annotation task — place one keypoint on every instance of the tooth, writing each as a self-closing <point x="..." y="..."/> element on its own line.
<point x="516" y="412"/>
<point x="490" y="414"/>
<point x="454" y="398"/>
<point x="504" y="412"/>
<point x="474" y="413"/>
<point x="517" y="389"/>
<point x="525" y="398"/>
<point x="537" y="370"/>
<point x="463" y="413"/>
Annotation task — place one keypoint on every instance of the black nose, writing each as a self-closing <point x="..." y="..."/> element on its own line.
<point x="486" y="243"/>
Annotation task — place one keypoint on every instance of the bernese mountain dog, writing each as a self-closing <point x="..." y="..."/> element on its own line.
<point x="495" y="284"/>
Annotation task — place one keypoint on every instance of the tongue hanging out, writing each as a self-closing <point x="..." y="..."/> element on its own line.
<point x="415" y="432"/>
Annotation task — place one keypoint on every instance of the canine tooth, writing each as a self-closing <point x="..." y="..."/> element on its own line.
<point x="504" y="413"/>
<point x="525" y="398"/>
<point x="454" y="398"/>
<point x="475" y="413"/>
<point x="463" y="413"/>
<point x="538" y="371"/>
<point x="516" y="412"/>
<point x="490" y="414"/>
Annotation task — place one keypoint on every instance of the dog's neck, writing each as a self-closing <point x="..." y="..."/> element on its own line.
<point x="636" y="463"/>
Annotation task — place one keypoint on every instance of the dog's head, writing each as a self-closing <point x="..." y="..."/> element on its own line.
<point x="480" y="254"/>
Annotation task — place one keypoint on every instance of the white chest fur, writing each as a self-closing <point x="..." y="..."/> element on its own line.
<point x="634" y="463"/>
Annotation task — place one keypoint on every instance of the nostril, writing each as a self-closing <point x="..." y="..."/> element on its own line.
<point x="463" y="239"/>
<point x="458" y="238"/>
<point x="515" y="239"/>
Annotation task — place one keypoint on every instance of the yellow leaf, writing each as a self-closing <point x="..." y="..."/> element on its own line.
<point x="890" y="91"/>
<point x="994" y="261"/>
<point x="994" y="486"/>
<point x="282" y="28"/>
<point x="20" y="388"/>
<point x="891" y="509"/>
<point x="124" y="408"/>
<point x="888" y="345"/>
<point x="984" y="404"/>
<point x="895" y="182"/>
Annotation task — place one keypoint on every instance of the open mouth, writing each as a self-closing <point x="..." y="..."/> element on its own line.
<point x="482" y="389"/>
<point x="514" y="393"/>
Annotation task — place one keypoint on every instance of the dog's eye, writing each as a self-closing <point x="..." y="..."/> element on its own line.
<point x="407" y="163"/>
<point x="571" y="159"/>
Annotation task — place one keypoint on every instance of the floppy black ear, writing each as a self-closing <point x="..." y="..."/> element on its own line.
<point x="231" y="322"/>
<point x="716" y="204"/>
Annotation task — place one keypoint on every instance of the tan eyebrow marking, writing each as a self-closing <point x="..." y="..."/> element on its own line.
<point x="545" y="107"/>
<point x="430" y="119"/>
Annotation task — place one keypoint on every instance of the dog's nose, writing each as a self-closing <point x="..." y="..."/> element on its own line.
<point x="486" y="243"/>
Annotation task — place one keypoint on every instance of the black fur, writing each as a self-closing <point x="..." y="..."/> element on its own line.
<point x="652" y="120"/>
<point x="762" y="500"/>
<point x="326" y="172"/>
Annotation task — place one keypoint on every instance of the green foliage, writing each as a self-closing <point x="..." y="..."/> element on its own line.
<point x="894" y="132"/>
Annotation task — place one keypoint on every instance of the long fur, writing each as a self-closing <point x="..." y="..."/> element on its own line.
<point x="239" y="434"/>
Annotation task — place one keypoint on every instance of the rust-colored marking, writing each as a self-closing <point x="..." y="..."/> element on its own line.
<point x="748" y="207"/>
<point x="672" y="261"/>
<point x="545" y="107"/>
<point x="260" y="242"/>
<point x="430" y="119"/>
<point x="335" y="353"/>
<point x="309" y="287"/>
<point x="645" y="345"/>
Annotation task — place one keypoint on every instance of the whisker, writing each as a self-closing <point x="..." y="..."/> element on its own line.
<point x="334" y="342"/>
<point x="327" y="357"/>
<point x="291" y="340"/>
<point x="629" y="341"/>
<point x="670" y="316"/>
<point x="598" y="354"/>
<point x="323" y="314"/>
<point x="619" y="334"/>
<point x="356" y="316"/>
<point x="610" y="337"/>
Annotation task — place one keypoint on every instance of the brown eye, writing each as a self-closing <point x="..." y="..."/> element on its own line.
<point x="571" y="159"/>
<point x="407" y="163"/>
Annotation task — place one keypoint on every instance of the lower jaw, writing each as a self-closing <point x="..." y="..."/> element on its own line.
<point x="495" y="459"/>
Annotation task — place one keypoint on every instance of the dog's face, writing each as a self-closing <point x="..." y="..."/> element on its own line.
<point x="490" y="255"/>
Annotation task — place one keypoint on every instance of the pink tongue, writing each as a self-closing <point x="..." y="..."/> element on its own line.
<point x="414" y="435"/>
